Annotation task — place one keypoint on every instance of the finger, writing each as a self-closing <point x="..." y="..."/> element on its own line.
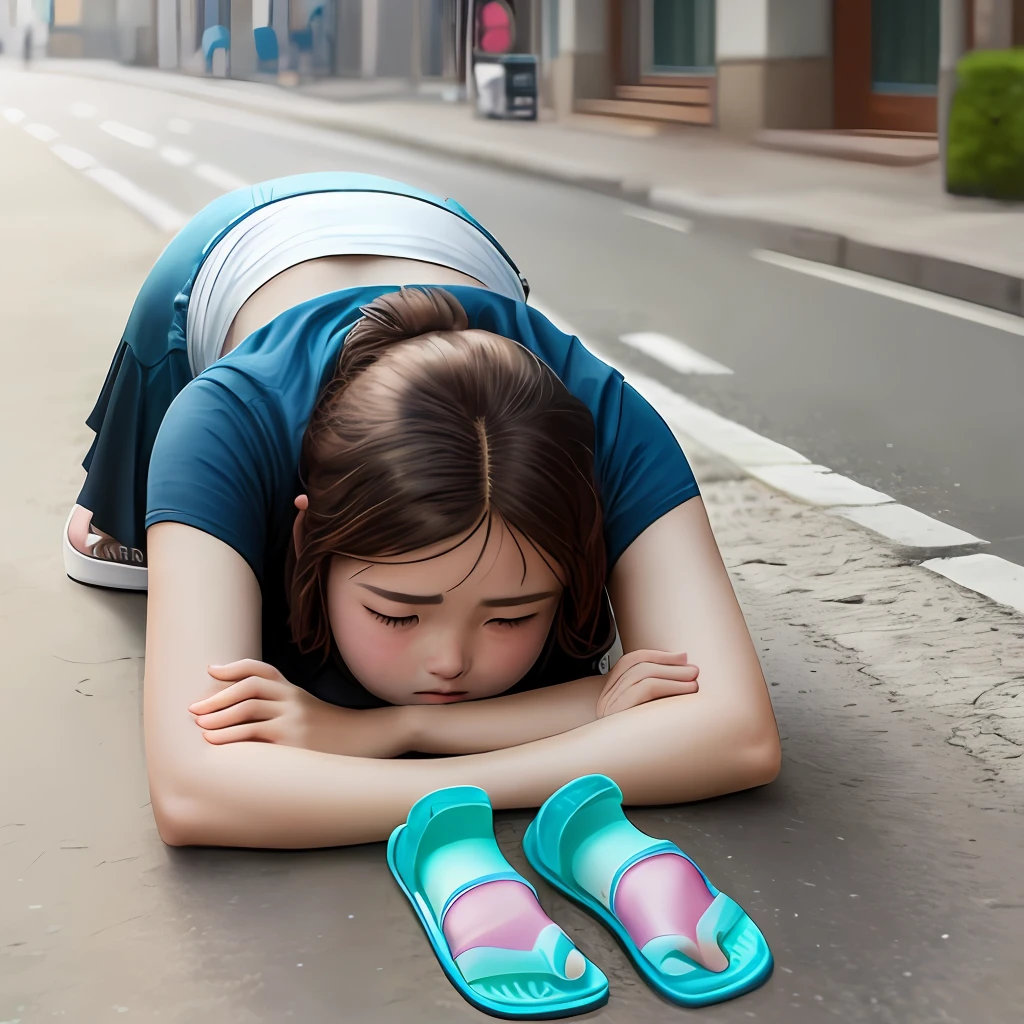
<point x="682" y="673"/>
<point x="246" y="667"/>
<point x="633" y="658"/>
<point x="648" y="690"/>
<point x="246" y="689"/>
<point x="251" y="731"/>
<point x="643" y="671"/>
<point x="238" y="714"/>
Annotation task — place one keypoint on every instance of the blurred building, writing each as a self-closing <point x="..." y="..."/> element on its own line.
<point x="250" y="38"/>
<point x="745" y="65"/>
<point x="736" y="65"/>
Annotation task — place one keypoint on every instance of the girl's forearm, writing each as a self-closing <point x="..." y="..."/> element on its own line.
<point x="264" y="795"/>
<point x="504" y="721"/>
<point x="465" y="728"/>
<point x="373" y="733"/>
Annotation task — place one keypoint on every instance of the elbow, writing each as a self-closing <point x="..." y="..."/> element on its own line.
<point x="758" y="752"/>
<point x="763" y="756"/>
<point x="750" y="755"/>
<point x="180" y="815"/>
<point x="177" y="821"/>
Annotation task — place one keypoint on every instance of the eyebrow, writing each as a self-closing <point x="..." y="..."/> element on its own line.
<point x="491" y="602"/>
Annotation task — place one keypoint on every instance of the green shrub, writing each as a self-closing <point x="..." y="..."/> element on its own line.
<point x="985" y="146"/>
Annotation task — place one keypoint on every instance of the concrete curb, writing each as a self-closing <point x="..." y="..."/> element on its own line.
<point x="971" y="283"/>
<point x="983" y="286"/>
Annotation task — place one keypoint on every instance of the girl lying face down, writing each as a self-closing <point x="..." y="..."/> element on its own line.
<point x="450" y="528"/>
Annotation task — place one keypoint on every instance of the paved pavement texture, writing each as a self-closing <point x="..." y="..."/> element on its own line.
<point x="883" y="865"/>
<point x="896" y="223"/>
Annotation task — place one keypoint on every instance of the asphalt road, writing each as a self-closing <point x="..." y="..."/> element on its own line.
<point x="882" y="868"/>
<point x="915" y="403"/>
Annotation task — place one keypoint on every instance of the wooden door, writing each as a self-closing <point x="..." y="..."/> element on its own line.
<point x="886" y="64"/>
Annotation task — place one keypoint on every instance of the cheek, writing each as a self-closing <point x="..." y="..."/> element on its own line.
<point x="513" y="650"/>
<point x="371" y="650"/>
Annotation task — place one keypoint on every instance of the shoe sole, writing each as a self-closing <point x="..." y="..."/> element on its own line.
<point x="97" y="572"/>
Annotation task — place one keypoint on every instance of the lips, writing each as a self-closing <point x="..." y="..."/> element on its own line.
<point x="440" y="696"/>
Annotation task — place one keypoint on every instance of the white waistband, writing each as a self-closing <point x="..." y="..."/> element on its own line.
<point x="305" y="227"/>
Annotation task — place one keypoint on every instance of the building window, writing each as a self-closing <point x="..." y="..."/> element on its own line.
<point x="678" y="36"/>
<point x="905" y="46"/>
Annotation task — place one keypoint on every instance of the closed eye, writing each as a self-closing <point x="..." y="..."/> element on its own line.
<point x="393" y="620"/>
<point x="514" y="622"/>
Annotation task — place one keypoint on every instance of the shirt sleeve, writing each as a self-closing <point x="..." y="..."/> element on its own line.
<point x="645" y="475"/>
<point x="211" y="470"/>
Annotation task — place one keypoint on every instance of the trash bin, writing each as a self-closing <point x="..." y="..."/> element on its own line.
<point x="506" y="85"/>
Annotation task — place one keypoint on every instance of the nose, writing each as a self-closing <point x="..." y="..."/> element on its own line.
<point x="447" y="660"/>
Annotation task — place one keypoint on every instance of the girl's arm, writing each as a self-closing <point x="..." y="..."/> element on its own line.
<point x="261" y="705"/>
<point x="204" y="608"/>
<point x="670" y="591"/>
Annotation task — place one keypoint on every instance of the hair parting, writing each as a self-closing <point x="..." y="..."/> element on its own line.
<point x="427" y="432"/>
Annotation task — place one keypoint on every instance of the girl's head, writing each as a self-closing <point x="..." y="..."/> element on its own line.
<point x="453" y="527"/>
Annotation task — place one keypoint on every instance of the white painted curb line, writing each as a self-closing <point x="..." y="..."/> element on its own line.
<point x="789" y="472"/>
<point x="996" y="578"/>
<point x="908" y="527"/>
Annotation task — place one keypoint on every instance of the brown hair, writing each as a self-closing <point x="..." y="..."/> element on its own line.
<point x="428" y="429"/>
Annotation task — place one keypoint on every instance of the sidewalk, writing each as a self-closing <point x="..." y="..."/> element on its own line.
<point x="890" y="222"/>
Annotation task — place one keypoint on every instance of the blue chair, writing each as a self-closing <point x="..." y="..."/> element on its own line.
<point x="266" y="48"/>
<point x="216" y="37"/>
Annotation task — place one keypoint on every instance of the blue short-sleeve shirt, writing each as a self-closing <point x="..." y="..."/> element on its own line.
<point x="226" y="457"/>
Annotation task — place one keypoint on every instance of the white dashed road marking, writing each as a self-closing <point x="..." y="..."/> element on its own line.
<point x="14" y="115"/>
<point x="177" y="157"/>
<point x="75" y="157"/>
<point x="126" y="133"/>
<point x="42" y="132"/>
<point x="155" y="210"/>
<point x="675" y="354"/>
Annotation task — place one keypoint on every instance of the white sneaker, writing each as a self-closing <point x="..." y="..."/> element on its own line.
<point x="98" y="572"/>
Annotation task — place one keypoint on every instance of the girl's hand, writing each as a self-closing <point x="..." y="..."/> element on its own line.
<point x="261" y="705"/>
<point x="642" y="676"/>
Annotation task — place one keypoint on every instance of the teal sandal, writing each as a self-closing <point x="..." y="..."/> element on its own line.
<point x="581" y="832"/>
<point x="447" y="848"/>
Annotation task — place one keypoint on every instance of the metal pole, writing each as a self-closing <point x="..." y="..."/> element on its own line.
<point x="951" y="47"/>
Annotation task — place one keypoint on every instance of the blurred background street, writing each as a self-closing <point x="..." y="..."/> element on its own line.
<point x="741" y="205"/>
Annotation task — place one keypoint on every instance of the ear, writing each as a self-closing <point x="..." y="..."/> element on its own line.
<point x="298" y="531"/>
